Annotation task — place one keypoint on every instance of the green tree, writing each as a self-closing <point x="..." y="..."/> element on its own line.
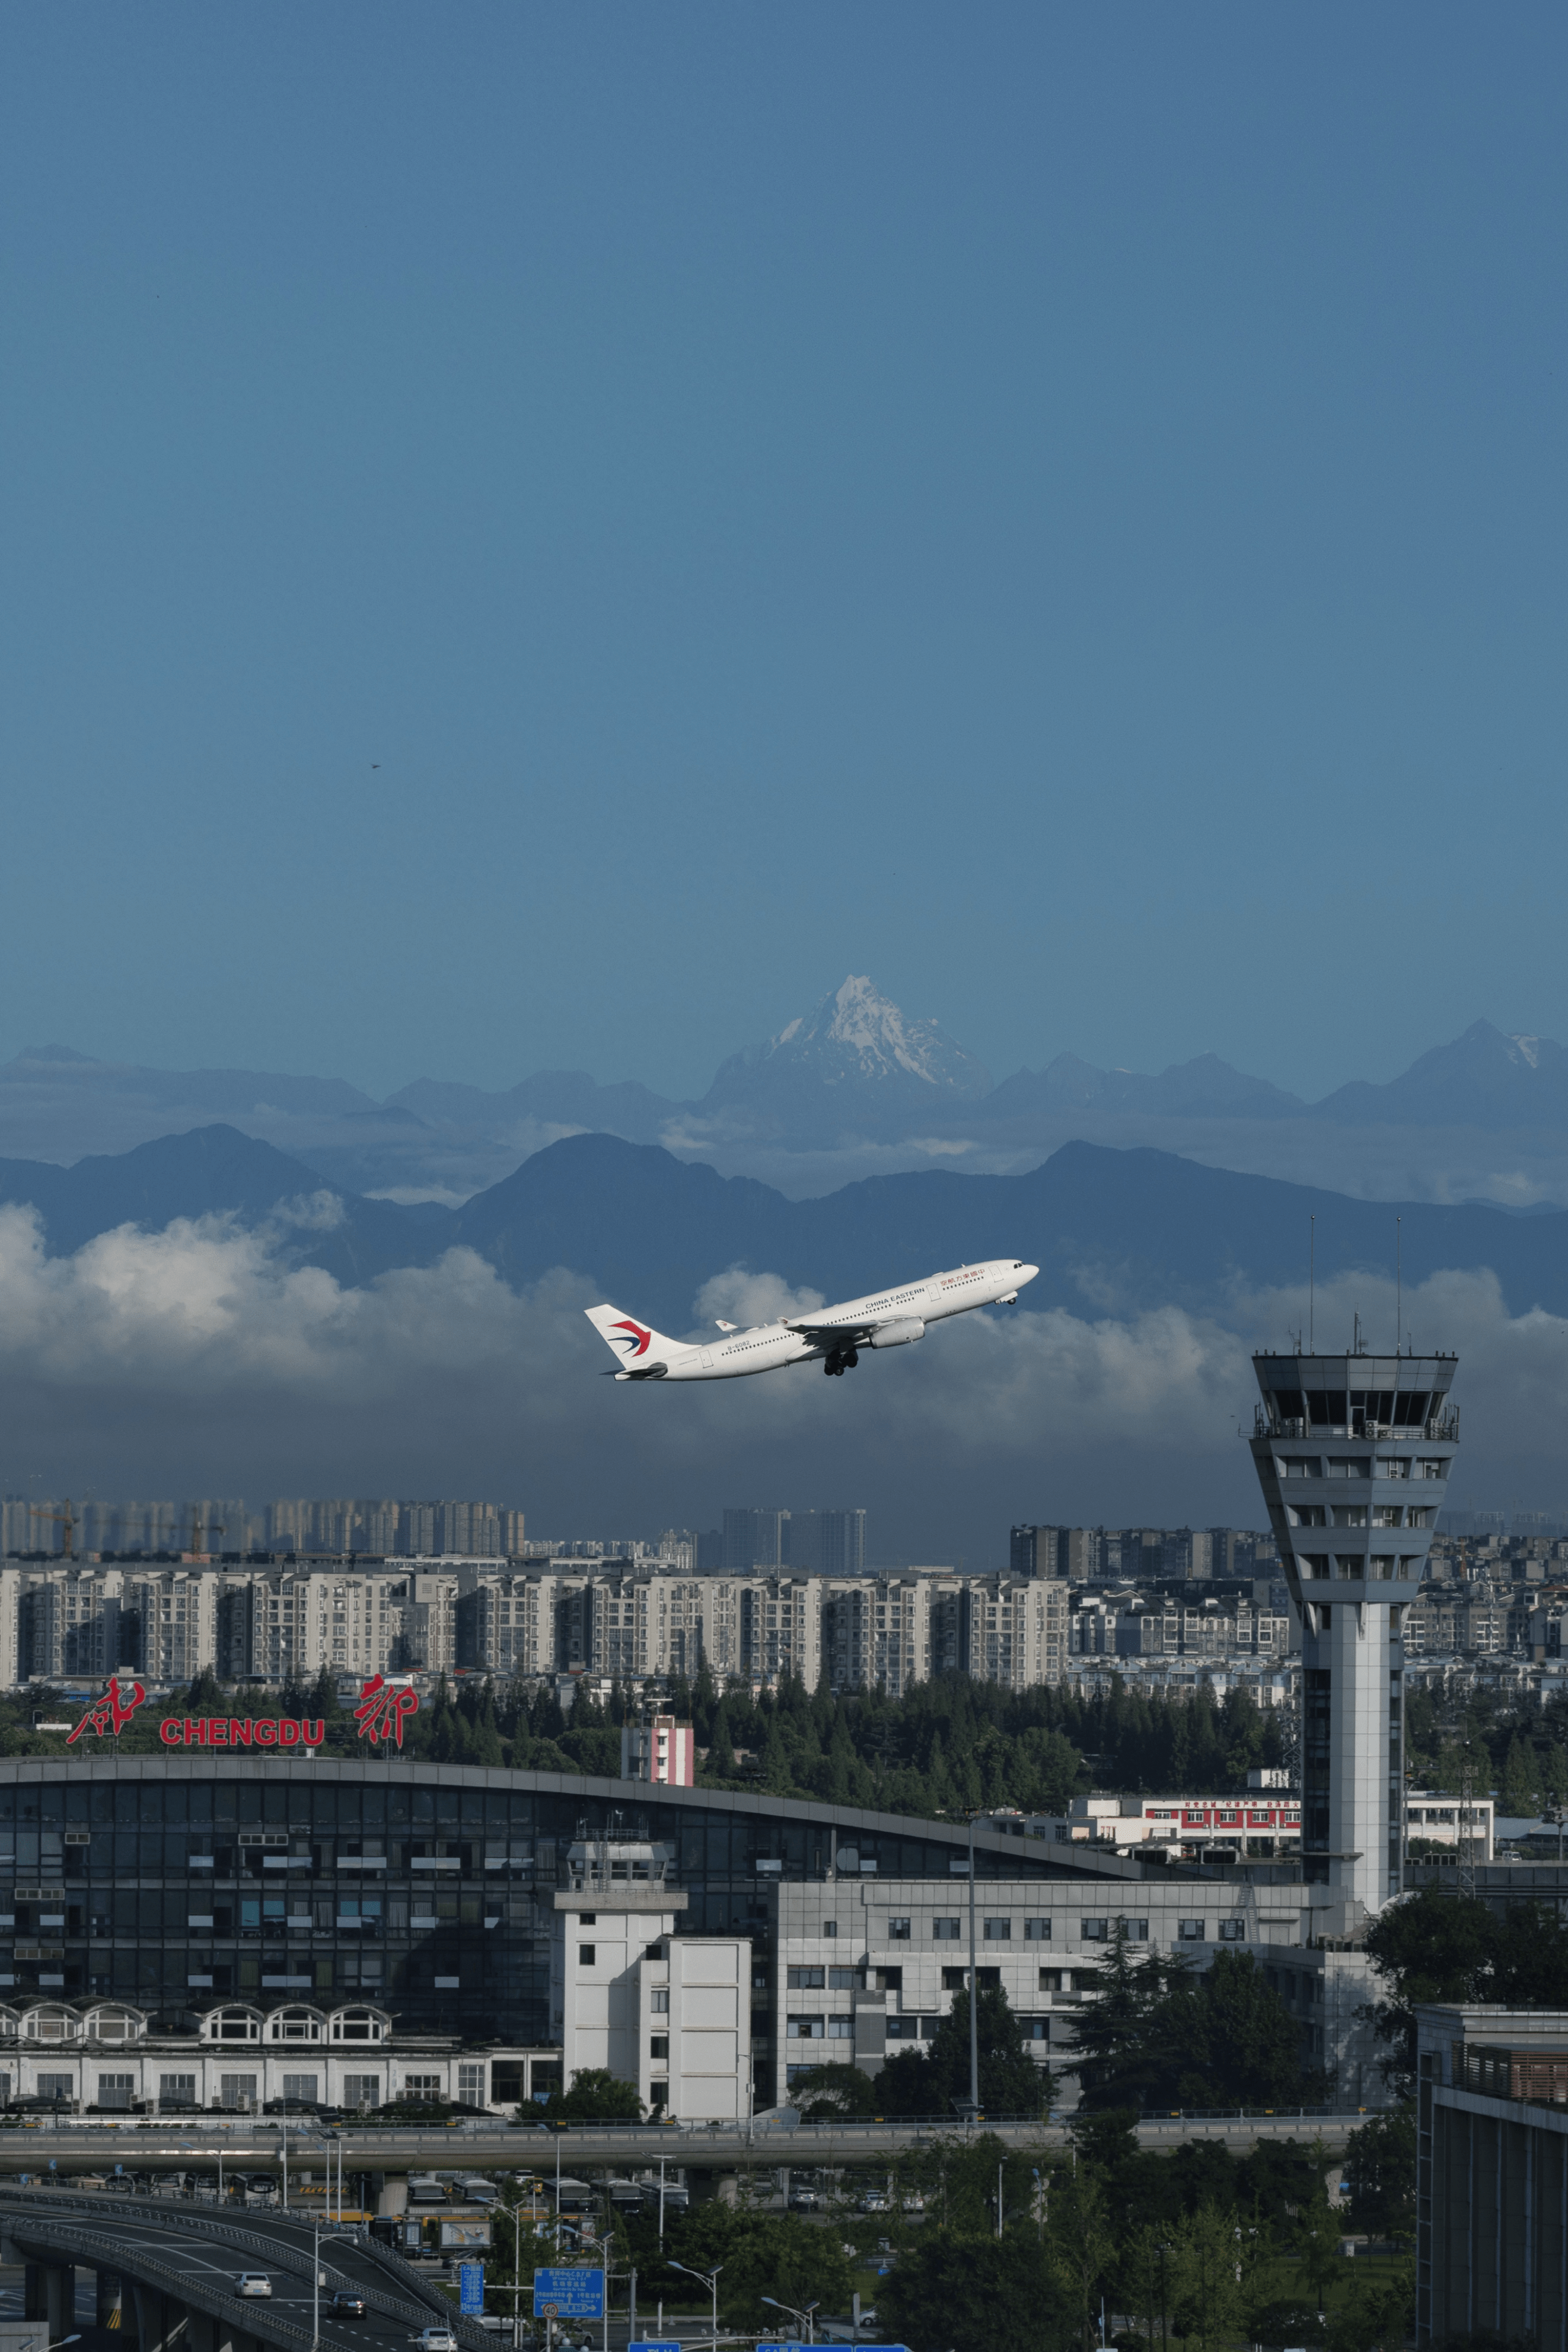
<point x="596" y="2096"/>
<point x="1435" y="1946"/>
<point x="1154" y="2037"/>
<point x="761" y="2255"/>
<point x="1229" y="2041"/>
<point x="966" y="2292"/>
<point x="1316" y="2243"/>
<point x="1380" y="2166"/>
<point x="1520" y="1779"/>
<point x="1213" y="2275"/>
<point x="823" y="2093"/>
<point x="1118" y="2039"/>
<point x="1143" y="2275"/>
<point x="1011" y="2083"/>
<point x="721" y="1763"/>
<point x="1080" y="2246"/>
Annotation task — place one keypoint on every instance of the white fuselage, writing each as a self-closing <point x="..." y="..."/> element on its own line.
<point x="873" y="1321"/>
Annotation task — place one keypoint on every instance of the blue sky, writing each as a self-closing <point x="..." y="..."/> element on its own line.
<point x="536" y="537"/>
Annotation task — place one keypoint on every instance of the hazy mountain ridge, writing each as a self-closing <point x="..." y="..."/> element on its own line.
<point x="1114" y="1233"/>
<point x="213" y="1171"/>
<point x="853" y="1084"/>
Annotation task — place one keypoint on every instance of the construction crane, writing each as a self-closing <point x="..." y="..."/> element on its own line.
<point x="66" y="1518"/>
<point x="200" y="1527"/>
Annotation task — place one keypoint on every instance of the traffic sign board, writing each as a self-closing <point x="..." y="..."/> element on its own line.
<point x="655" y="2344"/>
<point x="470" y="2280"/>
<point x="572" y="2293"/>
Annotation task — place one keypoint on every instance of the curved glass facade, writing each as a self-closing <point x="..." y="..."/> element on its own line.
<point x="427" y="1889"/>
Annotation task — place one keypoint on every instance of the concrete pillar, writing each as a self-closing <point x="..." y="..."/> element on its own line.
<point x="33" y="2306"/>
<point x="160" y="2319"/>
<point x="59" y="2300"/>
<point x="201" y="2331"/>
<point x="393" y="2195"/>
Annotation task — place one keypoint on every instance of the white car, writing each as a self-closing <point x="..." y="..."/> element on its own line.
<point x="253" y="2283"/>
<point x="436" y="2339"/>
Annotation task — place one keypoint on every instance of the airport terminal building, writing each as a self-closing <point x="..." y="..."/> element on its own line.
<point x="468" y="1925"/>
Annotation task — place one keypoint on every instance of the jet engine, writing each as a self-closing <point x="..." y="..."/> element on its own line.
<point x="899" y="1334"/>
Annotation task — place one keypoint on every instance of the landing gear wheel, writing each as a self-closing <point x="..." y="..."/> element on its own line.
<point x="834" y="1365"/>
<point x="850" y="1360"/>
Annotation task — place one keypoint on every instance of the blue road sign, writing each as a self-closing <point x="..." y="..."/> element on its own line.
<point x="574" y="2293"/>
<point x="471" y="2282"/>
<point x="655" y="2344"/>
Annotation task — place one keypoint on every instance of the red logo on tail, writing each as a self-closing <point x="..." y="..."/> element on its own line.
<point x="638" y="1344"/>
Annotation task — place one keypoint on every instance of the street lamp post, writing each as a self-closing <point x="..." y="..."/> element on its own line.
<point x="709" y="2279"/>
<point x="315" y="2284"/>
<point x="1165" y="2321"/>
<point x="803" y="2319"/>
<point x="973" y="1994"/>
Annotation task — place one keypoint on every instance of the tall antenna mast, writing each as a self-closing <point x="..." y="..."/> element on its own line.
<point x="1312" y="1289"/>
<point x="1398" y="1282"/>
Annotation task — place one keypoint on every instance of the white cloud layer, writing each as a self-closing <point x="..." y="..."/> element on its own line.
<point x="198" y="1359"/>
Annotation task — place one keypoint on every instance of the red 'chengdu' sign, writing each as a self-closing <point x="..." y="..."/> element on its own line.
<point x="242" y="1731"/>
<point x="380" y="1715"/>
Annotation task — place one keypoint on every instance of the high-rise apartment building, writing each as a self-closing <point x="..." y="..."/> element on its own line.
<point x="1353" y="1454"/>
<point x="753" y="1539"/>
<point x="630" y="1620"/>
<point x="825" y="1543"/>
<point x="811" y="1543"/>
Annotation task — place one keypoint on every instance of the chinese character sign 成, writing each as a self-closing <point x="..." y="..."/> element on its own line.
<point x="109" y="1712"/>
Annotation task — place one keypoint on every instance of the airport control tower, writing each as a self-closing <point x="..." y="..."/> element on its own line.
<point x="1353" y="1454"/>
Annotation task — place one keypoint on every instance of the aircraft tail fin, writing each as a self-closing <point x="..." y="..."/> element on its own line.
<point x="637" y="1346"/>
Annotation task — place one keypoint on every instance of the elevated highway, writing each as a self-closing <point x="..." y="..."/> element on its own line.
<point x="177" y="2267"/>
<point x="630" y="2147"/>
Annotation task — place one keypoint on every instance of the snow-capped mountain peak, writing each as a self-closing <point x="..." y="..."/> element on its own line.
<point x="858" y="1033"/>
<point x="857" y="1043"/>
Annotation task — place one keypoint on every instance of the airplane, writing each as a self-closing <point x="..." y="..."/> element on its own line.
<point x="833" y="1335"/>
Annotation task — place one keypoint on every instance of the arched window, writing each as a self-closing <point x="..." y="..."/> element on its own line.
<point x="236" y="2023"/>
<point x="50" y="2021"/>
<point x="359" y="2025"/>
<point x="114" y="2021"/>
<point x="295" y="2023"/>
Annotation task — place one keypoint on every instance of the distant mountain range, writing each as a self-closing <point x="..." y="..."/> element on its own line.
<point x="1114" y="1232"/>
<point x="853" y="1084"/>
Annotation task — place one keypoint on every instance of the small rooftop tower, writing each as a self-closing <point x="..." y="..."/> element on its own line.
<point x="1353" y="1454"/>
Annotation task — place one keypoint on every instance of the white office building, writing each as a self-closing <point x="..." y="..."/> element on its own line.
<point x="632" y="1994"/>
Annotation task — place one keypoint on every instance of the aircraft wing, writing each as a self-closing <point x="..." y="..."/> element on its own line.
<point x="834" y="1335"/>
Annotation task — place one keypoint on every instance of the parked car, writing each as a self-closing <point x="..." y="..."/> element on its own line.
<point x="345" y="2305"/>
<point x="253" y="2283"/>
